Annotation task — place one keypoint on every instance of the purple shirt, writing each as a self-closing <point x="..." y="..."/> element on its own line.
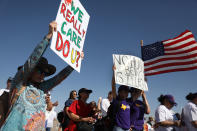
<point x="123" y="114"/>
<point x="137" y="115"/>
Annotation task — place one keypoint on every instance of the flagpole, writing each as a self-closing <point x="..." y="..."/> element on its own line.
<point x="141" y="42"/>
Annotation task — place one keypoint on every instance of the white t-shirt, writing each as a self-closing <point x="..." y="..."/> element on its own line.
<point x="105" y="103"/>
<point x="189" y="115"/>
<point x="2" y="90"/>
<point x="163" y="114"/>
<point x="50" y="116"/>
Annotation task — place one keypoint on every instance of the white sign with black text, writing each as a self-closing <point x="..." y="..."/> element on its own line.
<point x="129" y="71"/>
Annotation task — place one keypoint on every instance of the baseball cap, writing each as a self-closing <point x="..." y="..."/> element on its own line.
<point x="84" y="90"/>
<point x="170" y="98"/>
<point x="123" y="87"/>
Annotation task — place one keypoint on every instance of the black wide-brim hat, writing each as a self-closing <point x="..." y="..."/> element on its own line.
<point x="48" y="69"/>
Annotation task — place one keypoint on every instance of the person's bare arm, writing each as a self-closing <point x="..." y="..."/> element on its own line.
<point x="67" y="112"/>
<point x="23" y="74"/>
<point x="113" y="84"/>
<point x="145" y="101"/>
<point x="78" y="118"/>
<point x="56" y="103"/>
<point x="169" y="123"/>
<point x="99" y="103"/>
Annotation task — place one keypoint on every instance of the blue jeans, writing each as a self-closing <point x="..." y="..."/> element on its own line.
<point x="116" y="128"/>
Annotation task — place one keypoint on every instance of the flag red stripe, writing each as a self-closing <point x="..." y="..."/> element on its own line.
<point x="171" y="70"/>
<point x="179" y="40"/>
<point x="172" y="58"/>
<point x="171" y="64"/>
<point x="182" y="52"/>
<point x="178" y="36"/>
<point x="181" y="46"/>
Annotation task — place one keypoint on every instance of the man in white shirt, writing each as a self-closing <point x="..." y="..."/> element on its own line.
<point x="50" y="116"/>
<point x="106" y="103"/>
<point x="50" y="113"/>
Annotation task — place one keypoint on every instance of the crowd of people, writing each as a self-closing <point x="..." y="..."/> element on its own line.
<point x="28" y="103"/>
<point x="118" y="112"/>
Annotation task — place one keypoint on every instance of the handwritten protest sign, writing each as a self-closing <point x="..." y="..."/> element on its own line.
<point x="68" y="41"/>
<point x="129" y="71"/>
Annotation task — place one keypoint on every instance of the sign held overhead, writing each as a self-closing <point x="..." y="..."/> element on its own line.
<point x="72" y="23"/>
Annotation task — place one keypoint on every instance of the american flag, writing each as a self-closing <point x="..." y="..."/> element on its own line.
<point x="177" y="54"/>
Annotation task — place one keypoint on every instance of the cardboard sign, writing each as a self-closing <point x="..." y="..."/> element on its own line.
<point x="129" y="71"/>
<point x="68" y="41"/>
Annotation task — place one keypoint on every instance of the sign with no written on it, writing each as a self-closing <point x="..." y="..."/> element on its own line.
<point x="129" y="71"/>
<point x="72" y="23"/>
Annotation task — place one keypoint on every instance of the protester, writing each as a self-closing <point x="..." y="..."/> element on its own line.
<point x="72" y="97"/>
<point x="105" y="103"/>
<point x="93" y="105"/>
<point x="66" y="119"/>
<point x="189" y="113"/>
<point x="50" y="114"/>
<point x="60" y="118"/>
<point x="150" y="123"/>
<point x="138" y="109"/>
<point x="79" y="111"/>
<point x="121" y="107"/>
<point x="28" y="112"/>
<point x="164" y="115"/>
<point x="4" y="101"/>
<point x="99" y="124"/>
<point x="95" y="111"/>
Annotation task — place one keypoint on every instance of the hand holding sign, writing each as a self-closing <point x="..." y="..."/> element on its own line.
<point x="129" y="71"/>
<point x="52" y="28"/>
<point x="82" y="55"/>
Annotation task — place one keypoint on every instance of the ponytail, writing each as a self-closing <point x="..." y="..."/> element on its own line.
<point x="191" y="96"/>
<point x="161" y="99"/>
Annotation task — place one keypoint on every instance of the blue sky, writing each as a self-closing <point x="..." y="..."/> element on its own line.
<point x="116" y="27"/>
